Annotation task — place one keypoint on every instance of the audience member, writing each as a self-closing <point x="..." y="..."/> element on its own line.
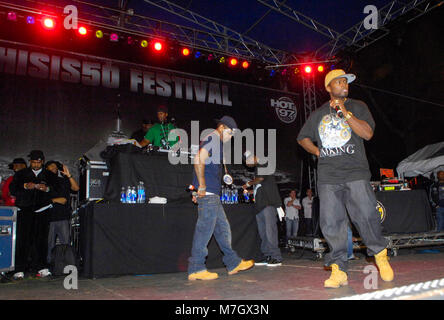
<point x="16" y="165"/>
<point x="307" y="203"/>
<point x="60" y="214"/>
<point x="31" y="188"/>
<point x="292" y="207"/>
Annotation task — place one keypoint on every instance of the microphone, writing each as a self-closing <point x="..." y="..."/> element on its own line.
<point x="339" y="112"/>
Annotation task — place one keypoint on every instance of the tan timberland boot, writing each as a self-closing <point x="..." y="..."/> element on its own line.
<point x="337" y="278"/>
<point x="385" y="270"/>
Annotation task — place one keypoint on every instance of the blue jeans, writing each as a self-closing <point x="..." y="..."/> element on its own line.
<point x="292" y="226"/>
<point x="350" y="254"/>
<point x="358" y="198"/>
<point x="440" y="219"/>
<point x="211" y="220"/>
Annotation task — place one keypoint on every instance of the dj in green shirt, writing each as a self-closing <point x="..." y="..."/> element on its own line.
<point x="158" y="134"/>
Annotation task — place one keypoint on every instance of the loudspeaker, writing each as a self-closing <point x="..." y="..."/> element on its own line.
<point x="93" y="180"/>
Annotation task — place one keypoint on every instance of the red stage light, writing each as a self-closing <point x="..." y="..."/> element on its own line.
<point x="245" y="64"/>
<point x="307" y="69"/>
<point x="321" y="68"/>
<point x="158" y="46"/>
<point x="185" y="51"/>
<point x="82" y="31"/>
<point x="233" y="61"/>
<point x="49" y="23"/>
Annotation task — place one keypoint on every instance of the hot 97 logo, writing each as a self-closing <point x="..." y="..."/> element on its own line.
<point x="285" y="109"/>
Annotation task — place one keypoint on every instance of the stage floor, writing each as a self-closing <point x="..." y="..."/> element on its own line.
<point x="297" y="279"/>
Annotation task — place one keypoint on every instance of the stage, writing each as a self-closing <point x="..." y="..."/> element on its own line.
<point x="299" y="278"/>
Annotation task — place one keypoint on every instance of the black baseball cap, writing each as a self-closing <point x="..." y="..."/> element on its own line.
<point x="36" y="155"/>
<point x="228" y="121"/>
<point x="16" y="161"/>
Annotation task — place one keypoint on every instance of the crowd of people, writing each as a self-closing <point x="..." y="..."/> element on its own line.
<point x="41" y="192"/>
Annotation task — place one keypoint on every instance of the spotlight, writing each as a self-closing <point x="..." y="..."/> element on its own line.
<point x="114" y="37"/>
<point x="12" y="16"/>
<point x="284" y="72"/>
<point x="233" y="62"/>
<point x="222" y="60"/>
<point x="272" y="72"/>
<point x="245" y="64"/>
<point x="48" y="23"/>
<point x="321" y="68"/>
<point x="185" y="52"/>
<point x="307" y="69"/>
<point x="99" y="34"/>
<point x="82" y="31"/>
<point x="130" y="40"/>
<point x="144" y="43"/>
<point x="296" y="70"/>
<point x="197" y="54"/>
<point x="158" y="46"/>
<point x="210" y="57"/>
<point x="30" y="20"/>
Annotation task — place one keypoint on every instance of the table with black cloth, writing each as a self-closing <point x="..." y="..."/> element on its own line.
<point x="119" y="239"/>
<point x="406" y="211"/>
<point x="160" y="177"/>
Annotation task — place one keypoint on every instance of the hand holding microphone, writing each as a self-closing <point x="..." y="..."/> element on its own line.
<point x="338" y="105"/>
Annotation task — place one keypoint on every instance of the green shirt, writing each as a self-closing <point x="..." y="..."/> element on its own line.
<point x="159" y="132"/>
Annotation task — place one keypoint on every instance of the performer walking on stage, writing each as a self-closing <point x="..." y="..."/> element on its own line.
<point x="339" y="127"/>
<point x="211" y="216"/>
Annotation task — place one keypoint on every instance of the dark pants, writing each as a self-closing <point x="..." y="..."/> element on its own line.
<point x="308" y="226"/>
<point x="267" y="227"/>
<point x="57" y="230"/>
<point x="358" y="198"/>
<point x="32" y="240"/>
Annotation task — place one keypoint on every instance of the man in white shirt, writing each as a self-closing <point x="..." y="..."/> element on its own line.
<point x="292" y="207"/>
<point x="307" y="203"/>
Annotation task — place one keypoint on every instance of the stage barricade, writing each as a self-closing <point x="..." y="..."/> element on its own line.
<point x="119" y="239"/>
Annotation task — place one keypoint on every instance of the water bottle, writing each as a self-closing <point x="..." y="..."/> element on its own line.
<point x="123" y="195"/>
<point x="236" y="197"/>
<point x="246" y="197"/>
<point x="140" y="193"/>
<point x="128" y="195"/>
<point x="133" y="195"/>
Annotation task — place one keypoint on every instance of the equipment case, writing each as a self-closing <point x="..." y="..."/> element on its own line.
<point x="8" y="227"/>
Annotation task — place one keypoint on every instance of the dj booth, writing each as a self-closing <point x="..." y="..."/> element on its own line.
<point x="118" y="239"/>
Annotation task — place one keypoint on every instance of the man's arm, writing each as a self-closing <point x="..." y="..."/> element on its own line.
<point x="144" y="142"/>
<point x="199" y="168"/>
<point x="256" y="180"/>
<point x="360" y="127"/>
<point x="309" y="146"/>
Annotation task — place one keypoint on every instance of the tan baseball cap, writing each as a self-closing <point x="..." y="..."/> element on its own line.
<point x="338" y="73"/>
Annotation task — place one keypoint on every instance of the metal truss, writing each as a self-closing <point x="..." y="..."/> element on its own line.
<point x="232" y="41"/>
<point x="221" y="40"/>
<point x="358" y="37"/>
<point x="300" y="18"/>
<point x="309" y="93"/>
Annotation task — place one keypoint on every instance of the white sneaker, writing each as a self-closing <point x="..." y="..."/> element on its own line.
<point x="18" y="275"/>
<point x="43" y="273"/>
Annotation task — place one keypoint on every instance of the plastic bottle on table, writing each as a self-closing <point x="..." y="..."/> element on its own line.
<point x="123" y="195"/>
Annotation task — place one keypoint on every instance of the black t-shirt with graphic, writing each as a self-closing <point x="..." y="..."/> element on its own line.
<point x="342" y="153"/>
